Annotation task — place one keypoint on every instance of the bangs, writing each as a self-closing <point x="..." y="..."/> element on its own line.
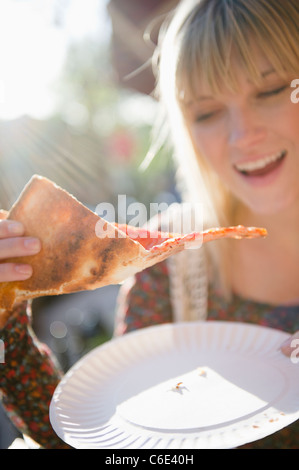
<point x="219" y="33"/>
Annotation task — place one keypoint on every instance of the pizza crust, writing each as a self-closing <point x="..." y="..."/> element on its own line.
<point x="72" y="257"/>
<point x="80" y="251"/>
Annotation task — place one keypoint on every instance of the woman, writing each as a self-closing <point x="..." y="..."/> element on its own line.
<point x="224" y="81"/>
<point x="224" y="75"/>
<point x="225" y="69"/>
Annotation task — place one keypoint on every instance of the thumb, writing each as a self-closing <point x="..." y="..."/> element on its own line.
<point x="3" y="214"/>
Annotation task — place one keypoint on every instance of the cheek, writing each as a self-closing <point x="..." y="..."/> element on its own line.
<point x="288" y="125"/>
<point x="292" y="124"/>
<point x="210" y="145"/>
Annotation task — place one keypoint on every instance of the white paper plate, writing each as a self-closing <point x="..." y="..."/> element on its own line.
<point x="236" y="387"/>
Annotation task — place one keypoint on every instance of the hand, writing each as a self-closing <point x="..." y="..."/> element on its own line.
<point x="291" y="346"/>
<point x="12" y="244"/>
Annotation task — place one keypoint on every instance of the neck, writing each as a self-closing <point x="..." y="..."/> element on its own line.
<point x="282" y="227"/>
<point x="267" y="269"/>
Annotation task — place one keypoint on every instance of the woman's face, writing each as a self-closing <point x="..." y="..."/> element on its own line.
<point x="251" y="139"/>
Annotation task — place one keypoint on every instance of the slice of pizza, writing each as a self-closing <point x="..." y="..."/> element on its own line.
<point x="82" y="251"/>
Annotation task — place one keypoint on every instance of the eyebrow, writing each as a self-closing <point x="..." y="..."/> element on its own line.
<point x="198" y="99"/>
<point x="207" y="97"/>
<point x="267" y="72"/>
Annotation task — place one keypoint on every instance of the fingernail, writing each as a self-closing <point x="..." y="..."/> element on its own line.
<point x="24" y="269"/>
<point x="15" y="228"/>
<point x="32" y="244"/>
<point x="285" y="343"/>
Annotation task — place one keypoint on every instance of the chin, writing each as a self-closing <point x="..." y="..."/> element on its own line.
<point x="274" y="206"/>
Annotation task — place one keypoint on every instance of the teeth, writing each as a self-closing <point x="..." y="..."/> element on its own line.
<point x="258" y="164"/>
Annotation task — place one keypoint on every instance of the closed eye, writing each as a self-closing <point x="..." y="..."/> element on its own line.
<point x="276" y="91"/>
<point x="205" y="117"/>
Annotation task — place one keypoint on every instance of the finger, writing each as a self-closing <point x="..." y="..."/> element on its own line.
<point x="3" y="214"/>
<point x="19" y="246"/>
<point x="10" y="228"/>
<point x="290" y="345"/>
<point x="14" y="272"/>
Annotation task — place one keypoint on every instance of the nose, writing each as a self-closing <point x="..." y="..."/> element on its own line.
<point x="245" y="128"/>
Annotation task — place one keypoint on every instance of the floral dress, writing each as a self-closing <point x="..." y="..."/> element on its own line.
<point x="30" y="373"/>
<point x="28" y="378"/>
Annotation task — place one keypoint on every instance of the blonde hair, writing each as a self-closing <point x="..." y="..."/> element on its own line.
<point x="201" y="38"/>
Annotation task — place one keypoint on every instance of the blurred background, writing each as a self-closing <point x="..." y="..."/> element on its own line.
<point x="76" y="106"/>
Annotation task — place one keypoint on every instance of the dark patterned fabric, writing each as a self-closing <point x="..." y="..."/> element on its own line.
<point x="28" y="378"/>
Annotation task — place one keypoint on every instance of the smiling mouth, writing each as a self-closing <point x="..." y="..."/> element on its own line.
<point x="261" y="167"/>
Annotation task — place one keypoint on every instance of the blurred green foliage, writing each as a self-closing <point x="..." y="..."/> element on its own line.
<point x="119" y="120"/>
<point x="95" y="141"/>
